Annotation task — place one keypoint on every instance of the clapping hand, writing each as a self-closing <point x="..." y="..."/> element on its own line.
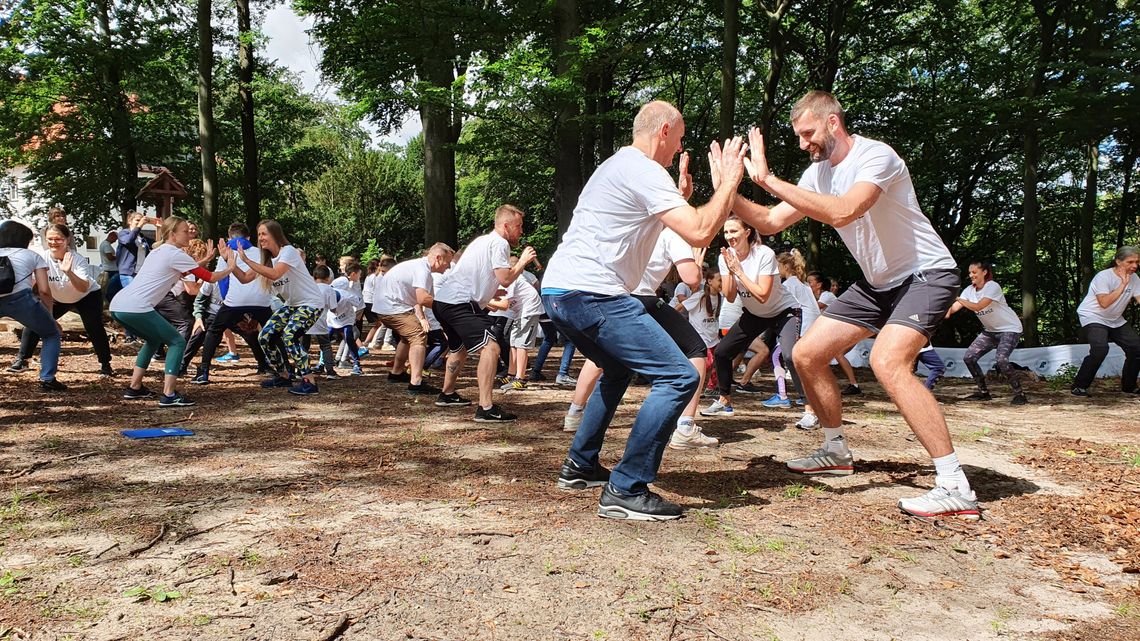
<point x="731" y="261"/>
<point x="225" y="252"/>
<point x="757" y="164"/>
<point x="684" y="178"/>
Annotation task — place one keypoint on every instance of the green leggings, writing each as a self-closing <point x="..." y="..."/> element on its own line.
<point x="156" y="331"/>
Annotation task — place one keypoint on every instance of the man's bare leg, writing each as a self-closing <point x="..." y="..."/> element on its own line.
<point x="488" y="363"/>
<point x="892" y="358"/>
<point x="455" y="362"/>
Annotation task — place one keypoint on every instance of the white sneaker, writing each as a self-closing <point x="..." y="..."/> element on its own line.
<point x="716" y="408"/>
<point x="808" y="422"/>
<point x="571" y="422"/>
<point x="824" y="461"/>
<point x="697" y="439"/>
<point x="943" y="502"/>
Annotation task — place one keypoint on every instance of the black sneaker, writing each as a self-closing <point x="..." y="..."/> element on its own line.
<point x="201" y="379"/>
<point x="422" y="388"/>
<point x="175" y="400"/>
<point x="1019" y="399"/>
<point x="536" y="377"/>
<point x="638" y="507"/>
<point x="749" y="388"/>
<point x="52" y="386"/>
<point x="19" y="365"/>
<point x="276" y="381"/>
<point x="980" y="395"/>
<point x="1079" y="391"/>
<point x="573" y="477"/>
<point x="106" y="370"/>
<point x="331" y="375"/>
<point x="133" y="394"/>
<point x="1132" y="392"/>
<point x="451" y="400"/>
<point x="493" y="415"/>
<point x="400" y="378"/>
<point x="851" y="390"/>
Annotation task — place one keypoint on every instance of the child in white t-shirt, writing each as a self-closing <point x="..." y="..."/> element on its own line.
<point x="703" y="309"/>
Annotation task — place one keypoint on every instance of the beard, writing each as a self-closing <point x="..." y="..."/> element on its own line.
<point x="822" y="151"/>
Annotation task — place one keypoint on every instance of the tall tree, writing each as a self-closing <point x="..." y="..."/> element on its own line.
<point x="251" y="195"/>
<point x="728" y="68"/>
<point x="567" y="162"/>
<point x="206" y="133"/>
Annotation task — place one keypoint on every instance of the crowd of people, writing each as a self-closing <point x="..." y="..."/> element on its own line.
<point x="629" y="288"/>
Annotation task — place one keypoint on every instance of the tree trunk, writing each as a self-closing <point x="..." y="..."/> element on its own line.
<point x="567" y="170"/>
<point x="728" y="68"/>
<point x="1126" y="196"/>
<point x="206" y="140"/>
<point x="1088" y="216"/>
<point x="609" y="134"/>
<point x="121" y="136"/>
<point x="440" y="224"/>
<point x="589" y="126"/>
<point x="251" y="195"/>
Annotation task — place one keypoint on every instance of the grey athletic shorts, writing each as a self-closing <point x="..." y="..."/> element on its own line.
<point x="920" y="302"/>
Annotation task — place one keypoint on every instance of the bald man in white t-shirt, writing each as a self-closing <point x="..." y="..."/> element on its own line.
<point x="863" y="189"/>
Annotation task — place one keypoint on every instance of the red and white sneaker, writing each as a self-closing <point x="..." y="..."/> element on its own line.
<point x="943" y="502"/>
<point x="824" y="461"/>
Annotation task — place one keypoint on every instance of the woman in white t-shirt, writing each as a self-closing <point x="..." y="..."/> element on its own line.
<point x="134" y="308"/>
<point x="284" y="266"/>
<point x="21" y="269"/>
<point x="1102" y="321"/>
<point x="748" y="271"/>
<point x="1001" y="329"/>
<point x="793" y="271"/>
<point x="73" y="289"/>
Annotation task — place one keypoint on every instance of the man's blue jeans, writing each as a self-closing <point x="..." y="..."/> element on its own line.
<point x="24" y="308"/>
<point x="549" y="340"/>
<point x="622" y="338"/>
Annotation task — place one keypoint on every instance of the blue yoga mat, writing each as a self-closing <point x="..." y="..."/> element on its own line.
<point x="156" y="432"/>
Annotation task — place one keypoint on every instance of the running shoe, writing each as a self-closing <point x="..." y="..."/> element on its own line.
<point x="716" y="408"/>
<point x="776" y="402"/>
<point x="536" y="377"/>
<point x="228" y="357"/>
<point x="851" y="390"/>
<point x="943" y="502"/>
<point x="980" y="395"/>
<point x="304" y="388"/>
<point x="571" y="422"/>
<point x="362" y="352"/>
<point x="749" y="388"/>
<point x="1080" y="391"/>
<point x="356" y="371"/>
<point x="493" y="415"/>
<point x="175" y="399"/>
<point x="276" y="381"/>
<point x="201" y="379"/>
<point x="400" y="378"/>
<point x="824" y="461"/>
<point x="1019" y="399"/>
<point x="808" y="422"/>
<point x="637" y="507"/>
<point x="422" y="388"/>
<point x="693" y="441"/>
<point x="18" y="365"/>
<point x="502" y="380"/>
<point x="515" y="384"/>
<point x="451" y="400"/>
<point x="106" y="370"/>
<point x="132" y="394"/>
<point x="574" y="477"/>
<point x="331" y="375"/>
<point x="565" y="379"/>
<point x="52" y="385"/>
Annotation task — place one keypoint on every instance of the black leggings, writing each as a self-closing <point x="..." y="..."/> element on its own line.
<point x="228" y="318"/>
<point x="90" y="310"/>
<point x="1004" y="342"/>
<point x="1098" y="337"/>
<point x="785" y="324"/>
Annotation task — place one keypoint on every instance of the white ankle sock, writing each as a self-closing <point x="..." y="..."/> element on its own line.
<point x="574" y="410"/>
<point x="833" y="439"/>
<point x="948" y="473"/>
<point x="686" y="426"/>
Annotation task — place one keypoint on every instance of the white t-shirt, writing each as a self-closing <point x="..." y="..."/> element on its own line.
<point x="433" y="322"/>
<point x="296" y="287"/>
<point x="164" y="267"/>
<point x="997" y="316"/>
<point x="346" y="284"/>
<point x="397" y="291"/>
<point x="730" y="312"/>
<point x="681" y="290"/>
<point x="761" y="261"/>
<point x="251" y="294"/>
<point x="826" y="298"/>
<point x="615" y="226"/>
<point x="328" y="302"/>
<point x="1105" y="282"/>
<point x="24" y="263"/>
<point x="528" y="300"/>
<point x="514" y="303"/>
<point x="804" y="299"/>
<point x="62" y="290"/>
<point x="368" y="292"/>
<point x="707" y="326"/>
<point x="473" y="277"/>
<point x="343" y="313"/>
<point x="214" y="292"/>
<point x="669" y="250"/>
<point x="108" y="264"/>
<point x="894" y="239"/>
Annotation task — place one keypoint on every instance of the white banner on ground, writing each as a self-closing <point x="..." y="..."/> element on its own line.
<point x="1043" y="361"/>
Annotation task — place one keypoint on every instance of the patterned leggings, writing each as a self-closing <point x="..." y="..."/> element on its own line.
<point x="285" y="328"/>
<point x="986" y="341"/>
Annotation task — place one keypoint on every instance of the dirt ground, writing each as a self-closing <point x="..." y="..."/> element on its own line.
<point x="365" y="513"/>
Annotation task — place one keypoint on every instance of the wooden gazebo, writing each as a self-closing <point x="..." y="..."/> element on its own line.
<point x="162" y="190"/>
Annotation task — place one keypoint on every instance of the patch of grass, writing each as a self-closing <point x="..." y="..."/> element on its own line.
<point x="201" y="620"/>
<point x="8" y="587"/>
<point x="52" y="442"/>
<point x="1131" y="456"/>
<point x="76" y="560"/>
<point x="902" y="555"/>
<point x="250" y="559"/>
<point x="978" y="434"/>
<point x="879" y="415"/>
<point x="1000" y="623"/>
<point x="599" y="635"/>
<point x="706" y="519"/>
<point x="775" y="545"/>
<point x="1127" y="610"/>
<point x="794" y="491"/>
<point x="1063" y="379"/>
<point x="17" y="501"/>
<point x="158" y="593"/>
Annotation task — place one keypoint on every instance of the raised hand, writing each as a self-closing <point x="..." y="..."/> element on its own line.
<point x="714" y="164"/>
<point x="684" y="178"/>
<point x="68" y="262"/>
<point x="732" y="157"/>
<point x="528" y="254"/>
<point x="731" y="261"/>
<point x="225" y="252"/>
<point x="757" y="164"/>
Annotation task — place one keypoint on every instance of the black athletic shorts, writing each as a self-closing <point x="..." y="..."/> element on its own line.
<point x="920" y="302"/>
<point x="466" y="324"/>
<point x="675" y="325"/>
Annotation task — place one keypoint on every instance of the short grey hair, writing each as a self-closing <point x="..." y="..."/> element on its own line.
<point x="1124" y="253"/>
<point x="652" y="116"/>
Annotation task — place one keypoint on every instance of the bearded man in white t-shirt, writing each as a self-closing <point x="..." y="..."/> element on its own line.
<point x="586" y="292"/>
<point x="863" y="189"/>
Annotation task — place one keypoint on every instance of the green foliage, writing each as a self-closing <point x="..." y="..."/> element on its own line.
<point x="1063" y="379"/>
<point x="8" y="586"/>
<point x="156" y="593"/>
